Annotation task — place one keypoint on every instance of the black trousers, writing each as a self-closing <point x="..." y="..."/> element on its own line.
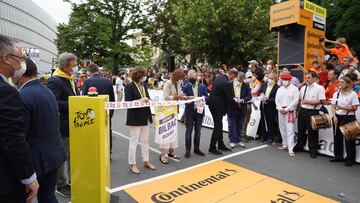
<point x="194" y="120"/>
<point x="268" y="122"/>
<point x="217" y="135"/>
<point x="312" y="136"/>
<point x="339" y="140"/>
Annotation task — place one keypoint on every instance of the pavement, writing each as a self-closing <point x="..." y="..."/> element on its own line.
<point x="332" y="180"/>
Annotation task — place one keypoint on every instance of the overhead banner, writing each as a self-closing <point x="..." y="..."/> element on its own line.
<point x="284" y="13"/>
<point x="224" y="182"/>
<point x="165" y="124"/>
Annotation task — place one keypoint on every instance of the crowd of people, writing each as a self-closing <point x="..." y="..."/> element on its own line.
<point x="34" y="118"/>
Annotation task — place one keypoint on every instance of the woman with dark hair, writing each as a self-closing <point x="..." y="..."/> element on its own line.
<point x="138" y="119"/>
<point x="172" y="91"/>
<point x="344" y="105"/>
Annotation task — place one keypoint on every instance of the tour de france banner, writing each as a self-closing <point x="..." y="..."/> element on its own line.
<point x="165" y="124"/>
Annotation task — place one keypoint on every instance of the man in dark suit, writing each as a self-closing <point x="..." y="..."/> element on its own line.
<point x="238" y="94"/>
<point x="42" y="124"/>
<point x="268" y="121"/>
<point x="103" y="86"/>
<point x="193" y="116"/>
<point x="17" y="173"/>
<point x="62" y="84"/>
<point x="218" y="108"/>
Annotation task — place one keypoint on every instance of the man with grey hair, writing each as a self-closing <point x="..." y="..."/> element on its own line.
<point x="194" y="115"/>
<point x="62" y="84"/>
<point x="238" y="94"/>
<point x="17" y="174"/>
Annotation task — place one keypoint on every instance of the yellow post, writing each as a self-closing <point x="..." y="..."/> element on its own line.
<point x="89" y="149"/>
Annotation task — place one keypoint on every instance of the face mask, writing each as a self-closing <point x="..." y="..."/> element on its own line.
<point x="75" y="69"/>
<point x="270" y="81"/>
<point x="144" y="78"/>
<point x="198" y="77"/>
<point x="249" y="66"/>
<point x="268" y="67"/>
<point x="286" y="83"/>
<point x="192" y="80"/>
<point x="265" y="79"/>
<point x="19" y="73"/>
<point x="179" y="82"/>
<point x="249" y="79"/>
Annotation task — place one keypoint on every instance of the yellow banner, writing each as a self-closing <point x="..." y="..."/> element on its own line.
<point x="314" y="8"/>
<point x="284" y="13"/>
<point x="222" y="182"/>
<point x="165" y="124"/>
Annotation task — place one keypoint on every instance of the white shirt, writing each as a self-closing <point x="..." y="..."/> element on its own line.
<point x="345" y="99"/>
<point x="287" y="97"/>
<point x="313" y="92"/>
<point x="119" y="84"/>
<point x="346" y="71"/>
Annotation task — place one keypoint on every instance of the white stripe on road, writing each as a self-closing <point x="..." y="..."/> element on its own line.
<point x="120" y="188"/>
<point x="117" y="134"/>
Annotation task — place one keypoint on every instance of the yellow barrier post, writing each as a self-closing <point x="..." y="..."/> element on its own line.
<point x="89" y="149"/>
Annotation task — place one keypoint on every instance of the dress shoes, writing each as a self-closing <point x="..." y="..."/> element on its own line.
<point x="336" y="160"/>
<point x="215" y="151"/>
<point x="187" y="153"/>
<point x="223" y="148"/>
<point x="199" y="152"/>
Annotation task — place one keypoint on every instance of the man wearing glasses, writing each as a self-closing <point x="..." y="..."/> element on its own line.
<point x="17" y="174"/>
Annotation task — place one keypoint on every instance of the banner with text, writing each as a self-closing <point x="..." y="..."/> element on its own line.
<point x="165" y="124"/>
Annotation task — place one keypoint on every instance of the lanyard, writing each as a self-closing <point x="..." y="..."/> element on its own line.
<point x="235" y="89"/>
<point x="196" y="89"/>
<point x="142" y="93"/>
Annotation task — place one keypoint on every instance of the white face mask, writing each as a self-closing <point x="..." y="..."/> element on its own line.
<point x="249" y="79"/>
<point x="75" y="69"/>
<point x="144" y="78"/>
<point x="270" y="81"/>
<point x="198" y="77"/>
<point x="19" y="73"/>
<point x="286" y="83"/>
<point x="268" y="67"/>
<point x="180" y="83"/>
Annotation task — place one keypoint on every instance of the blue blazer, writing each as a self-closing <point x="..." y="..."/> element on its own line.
<point x="42" y="127"/>
<point x="245" y="94"/>
<point x="188" y="91"/>
<point x="15" y="159"/>
<point x="103" y="86"/>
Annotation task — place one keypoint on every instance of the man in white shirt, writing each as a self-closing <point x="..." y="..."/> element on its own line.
<point x="119" y="88"/>
<point x="312" y="95"/>
<point x="287" y="98"/>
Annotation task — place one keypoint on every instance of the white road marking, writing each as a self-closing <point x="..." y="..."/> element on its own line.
<point x="120" y="188"/>
<point x="117" y="134"/>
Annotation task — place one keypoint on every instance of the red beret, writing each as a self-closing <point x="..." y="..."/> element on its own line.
<point x="286" y="77"/>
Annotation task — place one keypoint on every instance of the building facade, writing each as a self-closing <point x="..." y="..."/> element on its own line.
<point x="35" y="29"/>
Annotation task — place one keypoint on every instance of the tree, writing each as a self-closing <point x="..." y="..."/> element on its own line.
<point x="217" y="31"/>
<point x="100" y="27"/>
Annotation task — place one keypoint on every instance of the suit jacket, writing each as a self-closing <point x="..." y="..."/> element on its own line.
<point x="103" y="86"/>
<point x="217" y="99"/>
<point x="15" y="159"/>
<point x="42" y="124"/>
<point x="271" y="100"/>
<point x="137" y="116"/>
<point x="61" y="87"/>
<point x="188" y="91"/>
<point x="245" y="94"/>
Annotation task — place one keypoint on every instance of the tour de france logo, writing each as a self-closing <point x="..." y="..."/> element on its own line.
<point x="84" y="118"/>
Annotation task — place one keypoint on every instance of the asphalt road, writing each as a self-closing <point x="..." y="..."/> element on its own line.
<point x="332" y="180"/>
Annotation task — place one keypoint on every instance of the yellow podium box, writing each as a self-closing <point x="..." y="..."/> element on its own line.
<point x="89" y="149"/>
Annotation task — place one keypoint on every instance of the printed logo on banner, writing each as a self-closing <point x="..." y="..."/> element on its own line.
<point x="287" y="196"/>
<point x="167" y="197"/>
<point x="84" y="118"/>
<point x="165" y="124"/>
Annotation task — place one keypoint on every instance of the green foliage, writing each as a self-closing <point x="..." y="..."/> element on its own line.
<point x="100" y="27"/>
<point x="217" y="31"/>
<point x="343" y="20"/>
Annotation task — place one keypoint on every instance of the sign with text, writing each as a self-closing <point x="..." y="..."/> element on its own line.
<point x="284" y="13"/>
<point x="314" y="8"/>
<point x="221" y="181"/>
<point x="165" y="124"/>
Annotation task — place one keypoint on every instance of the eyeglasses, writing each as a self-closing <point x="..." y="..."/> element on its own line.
<point x="21" y="59"/>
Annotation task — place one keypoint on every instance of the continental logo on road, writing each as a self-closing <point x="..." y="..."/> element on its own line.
<point x="221" y="182"/>
<point x="165" y="197"/>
